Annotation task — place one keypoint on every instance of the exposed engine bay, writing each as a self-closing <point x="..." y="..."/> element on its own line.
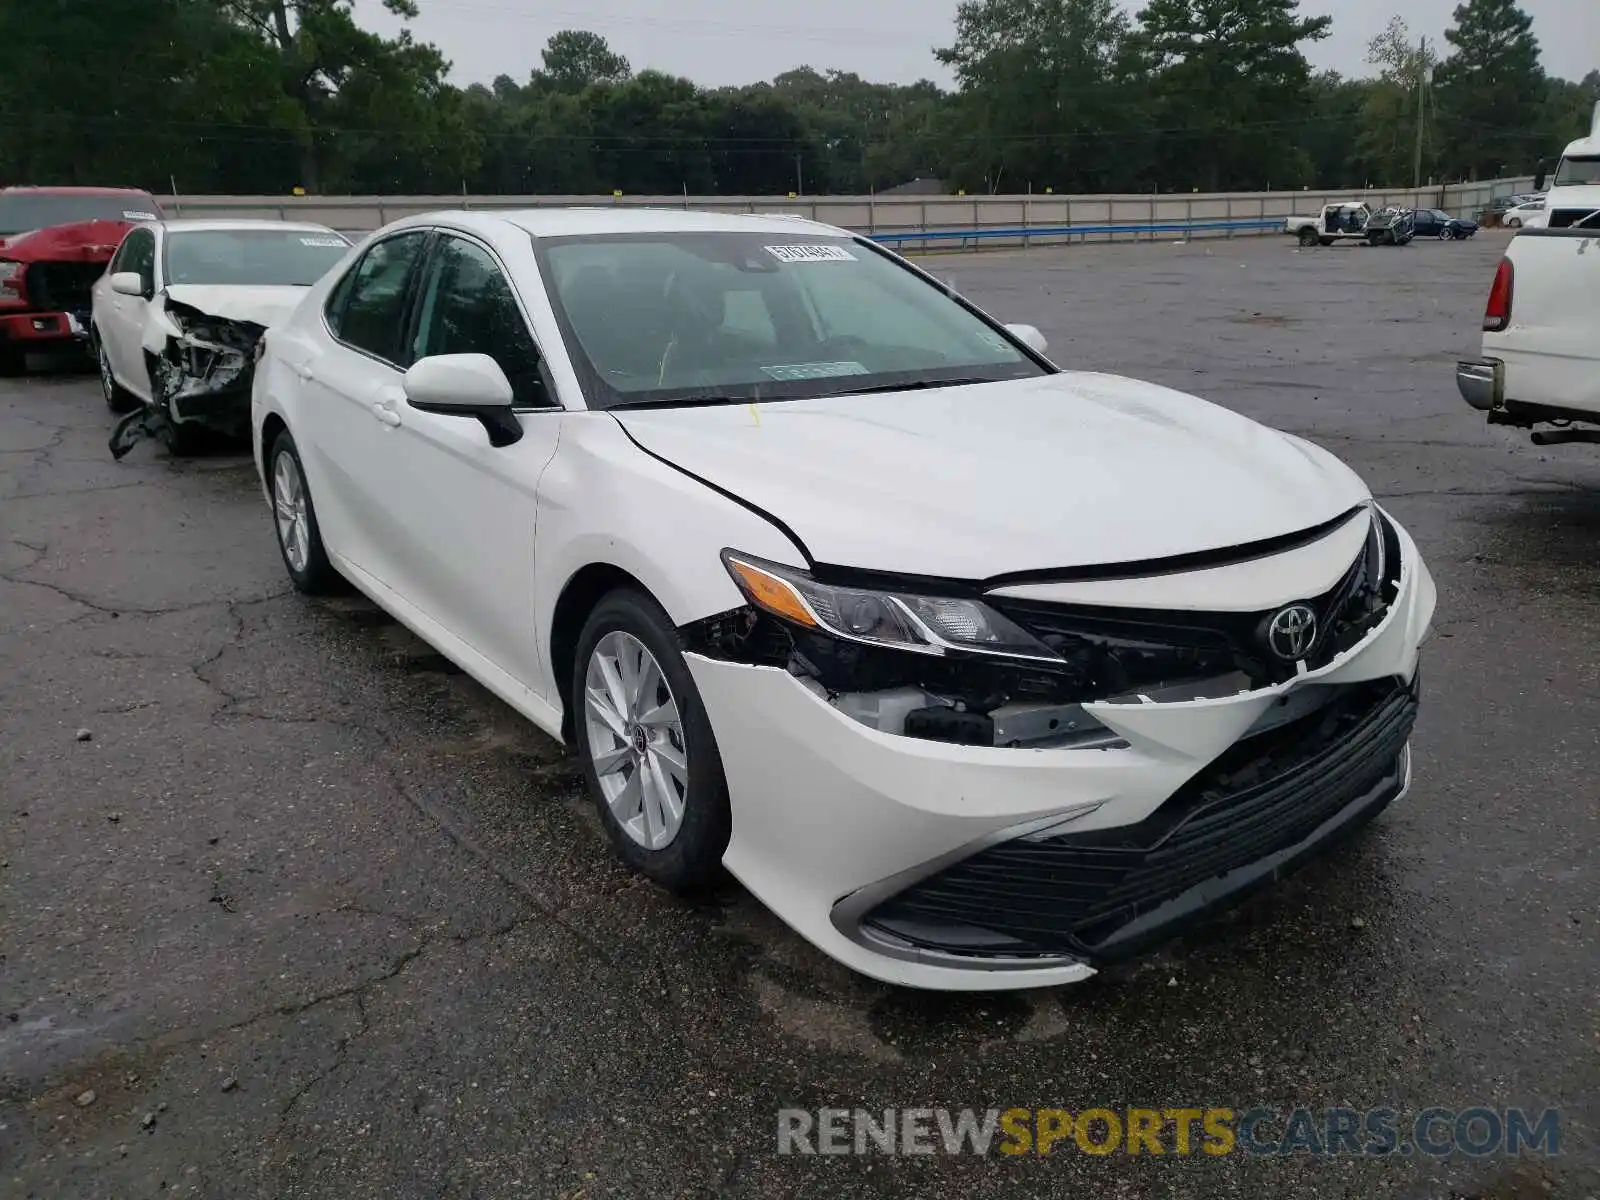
<point x="199" y="380"/>
<point x="1097" y="656"/>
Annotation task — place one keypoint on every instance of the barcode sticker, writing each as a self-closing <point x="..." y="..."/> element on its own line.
<point x="807" y="254"/>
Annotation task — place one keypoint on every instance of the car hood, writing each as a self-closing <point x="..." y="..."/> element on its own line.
<point x="1067" y="470"/>
<point x="1584" y="196"/>
<point x="83" y="241"/>
<point x="263" y="305"/>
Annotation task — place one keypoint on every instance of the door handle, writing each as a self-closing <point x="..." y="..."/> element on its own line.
<point x="303" y="371"/>
<point x="386" y="414"/>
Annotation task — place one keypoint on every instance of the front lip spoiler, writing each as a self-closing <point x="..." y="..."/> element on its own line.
<point x="1482" y="383"/>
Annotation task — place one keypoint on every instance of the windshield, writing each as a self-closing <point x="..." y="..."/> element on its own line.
<point x="1574" y="171"/>
<point x="40" y="210"/>
<point x="664" y="317"/>
<point x="261" y="257"/>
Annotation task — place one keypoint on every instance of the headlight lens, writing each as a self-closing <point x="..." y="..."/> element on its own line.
<point x="905" y="621"/>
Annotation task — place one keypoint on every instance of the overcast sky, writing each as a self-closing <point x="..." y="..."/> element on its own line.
<point x="716" y="42"/>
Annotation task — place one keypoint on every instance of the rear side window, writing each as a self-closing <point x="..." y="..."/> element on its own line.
<point x="368" y="306"/>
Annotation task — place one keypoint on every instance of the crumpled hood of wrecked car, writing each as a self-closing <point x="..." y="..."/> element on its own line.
<point x="260" y="305"/>
<point x="82" y="241"/>
<point x="1067" y="470"/>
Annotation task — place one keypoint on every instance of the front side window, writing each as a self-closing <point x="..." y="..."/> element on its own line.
<point x="1574" y="171"/>
<point x="467" y="307"/>
<point x="138" y="254"/>
<point x="369" y="304"/>
<point x="662" y="317"/>
<point x="252" y="257"/>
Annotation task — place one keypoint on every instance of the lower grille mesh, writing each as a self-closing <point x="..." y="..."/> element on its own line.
<point x="1073" y="893"/>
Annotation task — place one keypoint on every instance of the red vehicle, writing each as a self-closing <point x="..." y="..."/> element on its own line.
<point x="54" y="243"/>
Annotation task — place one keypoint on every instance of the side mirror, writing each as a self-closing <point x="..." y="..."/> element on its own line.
<point x="127" y="283"/>
<point x="1030" y="337"/>
<point x="465" y="385"/>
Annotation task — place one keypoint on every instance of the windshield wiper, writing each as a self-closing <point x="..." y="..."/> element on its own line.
<point x="914" y="385"/>
<point x="707" y="400"/>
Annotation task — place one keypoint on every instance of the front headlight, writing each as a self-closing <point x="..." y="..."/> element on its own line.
<point x="933" y="625"/>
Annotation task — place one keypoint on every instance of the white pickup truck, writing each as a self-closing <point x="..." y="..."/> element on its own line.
<point x="1541" y="337"/>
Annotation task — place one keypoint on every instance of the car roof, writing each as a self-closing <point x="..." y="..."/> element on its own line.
<point x="562" y="222"/>
<point x="237" y="225"/>
<point x="74" y="191"/>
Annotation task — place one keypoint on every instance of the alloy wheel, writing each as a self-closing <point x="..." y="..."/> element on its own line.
<point x="1447" y="234"/>
<point x="636" y="741"/>
<point x="108" y="382"/>
<point x="291" y="511"/>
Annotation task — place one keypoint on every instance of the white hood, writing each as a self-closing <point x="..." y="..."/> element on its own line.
<point x="264" y="306"/>
<point x="971" y="482"/>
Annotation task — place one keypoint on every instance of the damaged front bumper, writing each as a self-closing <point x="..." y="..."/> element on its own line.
<point x="932" y="864"/>
<point x="199" y="380"/>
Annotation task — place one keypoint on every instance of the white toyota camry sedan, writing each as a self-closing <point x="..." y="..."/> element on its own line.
<point x="979" y="672"/>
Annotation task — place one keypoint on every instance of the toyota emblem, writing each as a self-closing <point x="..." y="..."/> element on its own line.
<point x="1292" y="632"/>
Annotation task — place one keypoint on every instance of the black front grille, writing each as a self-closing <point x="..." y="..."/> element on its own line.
<point x="1079" y="894"/>
<point x="62" y="287"/>
<point x="1123" y="650"/>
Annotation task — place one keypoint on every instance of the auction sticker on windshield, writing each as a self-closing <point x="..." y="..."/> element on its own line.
<point x="322" y="241"/>
<point x="813" y="371"/>
<point x="133" y="214"/>
<point x="800" y="254"/>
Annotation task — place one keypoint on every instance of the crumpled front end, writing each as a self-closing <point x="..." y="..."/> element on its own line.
<point x="980" y="827"/>
<point x="200" y="376"/>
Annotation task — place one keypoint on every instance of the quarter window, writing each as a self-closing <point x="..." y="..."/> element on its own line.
<point x="468" y="307"/>
<point x="368" y="306"/>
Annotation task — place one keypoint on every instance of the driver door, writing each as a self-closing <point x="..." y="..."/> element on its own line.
<point x="121" y="323"/>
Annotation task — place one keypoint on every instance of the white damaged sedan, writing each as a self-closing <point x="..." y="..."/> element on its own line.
<point x="980" y="673"/>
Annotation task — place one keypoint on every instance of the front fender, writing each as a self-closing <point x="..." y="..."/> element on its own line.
<point x="602" y="500"/>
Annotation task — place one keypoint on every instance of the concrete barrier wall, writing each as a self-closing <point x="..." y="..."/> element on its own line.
<point x="947" y="221"/>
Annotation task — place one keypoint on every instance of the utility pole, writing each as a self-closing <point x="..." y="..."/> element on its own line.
<point x="1422" y="86"/>
<point x="799" y="179"/>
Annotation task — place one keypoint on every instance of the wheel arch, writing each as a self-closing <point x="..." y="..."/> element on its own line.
<point x="577" y="599"/>
<point x="271" y="428"/>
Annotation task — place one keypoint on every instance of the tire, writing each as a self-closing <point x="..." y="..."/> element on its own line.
<point x="682" y="852"/>
<point x="304" y="557"/>
<point x="12" y="362"/>
<point x="1447" y="234"/>
<point x="1514" y="223"/>
<point x="118" y="398"/>
<point x="1308" y="237"/>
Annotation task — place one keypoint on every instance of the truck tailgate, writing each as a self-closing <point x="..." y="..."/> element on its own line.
<point x="1551" y="348"/>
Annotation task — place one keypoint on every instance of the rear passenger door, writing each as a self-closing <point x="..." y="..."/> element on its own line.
<point x="464" y="510"/>
<point x="342" y="437"/>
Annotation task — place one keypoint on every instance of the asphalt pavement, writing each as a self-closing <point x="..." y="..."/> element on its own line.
<point x="291" y="908"/>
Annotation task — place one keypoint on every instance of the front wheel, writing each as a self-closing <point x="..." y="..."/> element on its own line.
<point x="1308" y="237"/>
<point x="1447" y="234"/>
<point x="118" y="398"/>
<point x="648" y="752"/>
<point x="295" y="519"/>
<point x="1514" y="223"/>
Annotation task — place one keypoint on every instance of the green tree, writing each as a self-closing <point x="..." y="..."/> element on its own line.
<point x="575" y="59"/>
<point x="1397" y="100"/>
<point x="334" y="77"/>
<point x="1491" y="91"/>
<point x="1041" y="100"/>
<point x="1229" y="82"/>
